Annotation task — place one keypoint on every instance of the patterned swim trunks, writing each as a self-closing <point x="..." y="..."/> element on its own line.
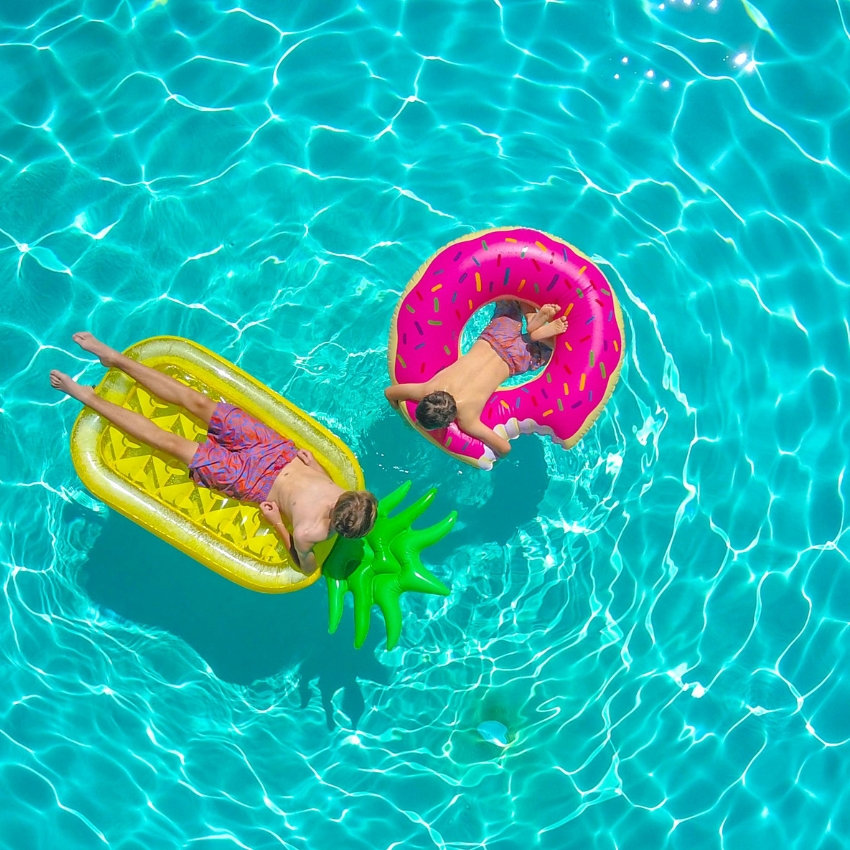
<point x="504" y="335"/>
<point x="241" y="456"/>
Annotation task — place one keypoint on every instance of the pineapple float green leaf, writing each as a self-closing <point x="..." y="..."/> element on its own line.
<point x="378" y="568"/>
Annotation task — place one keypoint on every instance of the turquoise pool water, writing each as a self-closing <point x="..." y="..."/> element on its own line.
<point x="659" y="617"/>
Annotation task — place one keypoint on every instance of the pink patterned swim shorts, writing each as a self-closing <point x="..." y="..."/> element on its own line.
<point x="241" y="456"/>
<point x="504" y="335"/>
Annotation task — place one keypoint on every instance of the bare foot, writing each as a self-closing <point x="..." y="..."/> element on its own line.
<point x="89" y="342"/>
<point x="65" y="383"/>
<point x="545" y="314"/>
<point x="550" y="330"/>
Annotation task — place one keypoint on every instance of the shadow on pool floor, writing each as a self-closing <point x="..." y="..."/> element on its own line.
<point x="244" y="636"/>
<point x="247" y="637"/>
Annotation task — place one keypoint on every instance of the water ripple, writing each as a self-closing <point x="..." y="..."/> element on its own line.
<point x="659" y="617"/>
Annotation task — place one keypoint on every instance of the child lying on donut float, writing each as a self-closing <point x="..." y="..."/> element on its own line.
<point x="460" y="391"/>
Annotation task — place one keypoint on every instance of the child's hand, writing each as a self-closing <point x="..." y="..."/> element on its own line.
<point x="309" y="459"/>
<point x="305" y="456"/>
<point x="271" y="512"/>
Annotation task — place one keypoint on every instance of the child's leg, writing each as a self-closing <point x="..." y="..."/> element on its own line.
<point x="530" y="313"/>
<point x="134" y="424"/>
<point x="161" y="385"/>
<point x="537" y="318"/>
<point x="549" y="330"/>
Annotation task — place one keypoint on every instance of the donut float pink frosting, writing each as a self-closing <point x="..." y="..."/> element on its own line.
<point x="517" y="263"/>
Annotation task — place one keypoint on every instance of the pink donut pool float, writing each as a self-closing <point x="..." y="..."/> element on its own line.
<point x="564" y="400"/>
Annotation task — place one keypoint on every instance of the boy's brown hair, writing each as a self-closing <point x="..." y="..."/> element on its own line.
<point x="354" y="513"/>
<point x="436" y="410"/>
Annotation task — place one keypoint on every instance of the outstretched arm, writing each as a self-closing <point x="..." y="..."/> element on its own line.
<point x="306" y="559"/>
<point x="299" y="548"/>
<point x="487" y="436"/>
<point x="405" y="392"/>
<point x="271" y="512"/>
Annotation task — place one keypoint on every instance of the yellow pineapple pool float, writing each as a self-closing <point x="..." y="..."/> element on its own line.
<point x="155" y="491"/>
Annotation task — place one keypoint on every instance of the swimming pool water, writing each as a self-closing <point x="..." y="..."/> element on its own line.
<point x="659" y="617"/>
